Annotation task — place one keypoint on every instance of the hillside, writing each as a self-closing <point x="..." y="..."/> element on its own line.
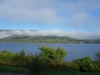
<point x="44" y="39"/>
<point x="38" y="39"/>
<point x="33" y="36"/>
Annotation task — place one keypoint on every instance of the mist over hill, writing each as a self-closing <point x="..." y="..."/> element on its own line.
<point x="29" y="33"/>
<point x="57" y="33"/>
<point x="35" y="36"/>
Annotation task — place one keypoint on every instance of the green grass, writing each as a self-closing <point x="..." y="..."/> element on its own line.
<point x="13" y="69"/>
<point x="67" y="73"/>
<point x="25" y="70"/>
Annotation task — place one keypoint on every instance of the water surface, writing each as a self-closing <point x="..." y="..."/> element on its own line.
<point x="75" y="51"/>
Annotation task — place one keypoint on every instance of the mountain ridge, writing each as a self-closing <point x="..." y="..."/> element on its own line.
<point x="33" y="36"/>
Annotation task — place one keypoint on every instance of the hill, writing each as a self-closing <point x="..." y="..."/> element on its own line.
<point x="38" y="39"/>
<point x="31" y="36"/>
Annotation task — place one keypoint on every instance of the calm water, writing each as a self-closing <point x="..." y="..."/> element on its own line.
<point x="74" y="50"/>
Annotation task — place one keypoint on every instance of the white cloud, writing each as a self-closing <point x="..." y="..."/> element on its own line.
<point x="4" y="34"/>
<point x="85" y="35"/>
<point x="27" y="10"/>
<point x="69" y="13"/>
<point x="80" y="13"/>
<point x="80" y="35"/>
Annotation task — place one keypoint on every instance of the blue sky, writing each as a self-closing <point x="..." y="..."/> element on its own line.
<point x="75" y="16"/>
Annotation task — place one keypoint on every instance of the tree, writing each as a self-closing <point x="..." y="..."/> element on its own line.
<point x="50" y="53"/>
<point x="22" y="53"/>
<point x="46" y="52"/>
<point x="61" y="53"/>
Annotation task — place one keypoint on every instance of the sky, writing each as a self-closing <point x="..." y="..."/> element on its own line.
<point x="77" y="18"/>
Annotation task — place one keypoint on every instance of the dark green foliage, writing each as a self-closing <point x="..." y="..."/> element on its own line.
<point x="66" y="73"/>
<point x="13" y="69"/>
<point x="97" y="65"/>
<point x="6" y="56"/>
<point x="22" y="60"/>
<point x="22" y="54"/>
<point x="50" y="53"/>
<point x="38" y="64"/>
<point x="15" y="59"/>
<point x="98" y="56"/>
<point x="47" y="52"/>
<point x="85" y="64"/>
<point x="61" y="53"/>
<point x="71" y="66"/>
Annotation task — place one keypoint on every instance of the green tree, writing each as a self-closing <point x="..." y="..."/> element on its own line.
<point x="22" y="53"/>
<point x="46" y="52"/>
<point x="61" y="53"/>
<point x="50" y="53"/>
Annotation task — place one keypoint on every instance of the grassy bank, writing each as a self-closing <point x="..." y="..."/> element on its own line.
<point x="10" y="69"/>
<point x="65" y="73"/>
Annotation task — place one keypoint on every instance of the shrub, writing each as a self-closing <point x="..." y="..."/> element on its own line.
<point x="6" y="56"/>
<point x="71" y="66"/>
<point x="39" y="64"/>
<point x="15" y="59"/>
<point x="50" y="53"/>
<point x="22" y="60"/>
<point x="98" y="55"/>
<point x="96" y="66"/>
<point x="56" y="65"/>
<point x="85" y="64"/>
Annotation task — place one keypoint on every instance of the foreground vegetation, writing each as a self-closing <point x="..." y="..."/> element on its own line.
<point x="67" y="73"/>
<point x="48" y="61"/>
<point x="26" y="71"/>
<point x="6" y="69"/>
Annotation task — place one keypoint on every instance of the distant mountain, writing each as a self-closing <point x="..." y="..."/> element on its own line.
<point x="35" y="36"/>
<point x="27" y="33"/>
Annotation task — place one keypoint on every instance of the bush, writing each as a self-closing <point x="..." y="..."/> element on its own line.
<point x="98" y="55"/>
<point x="15" y="59"/>
<point x="39" y="64"/>
<point x="56" y="65"/>
<point x="71" y="66"/>
<point x="96" y="66"/>
<point x="50" y="53"/>
<point x="22" y="60"/>
<point x="6" y="56"/>
<point x="86" y="65"/>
